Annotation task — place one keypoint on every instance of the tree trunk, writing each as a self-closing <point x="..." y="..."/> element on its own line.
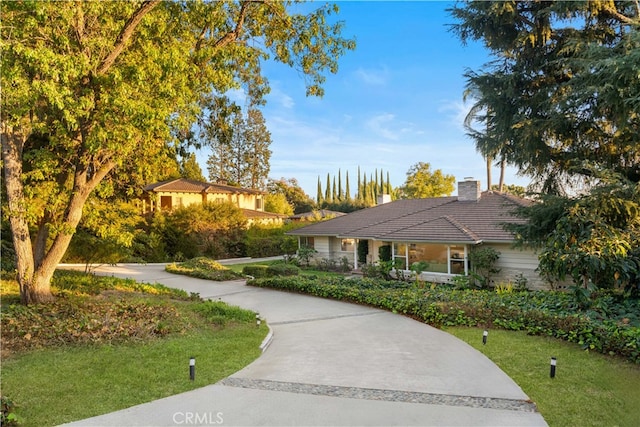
<point x="503" y="166"/>
<point x="489" y="161"/>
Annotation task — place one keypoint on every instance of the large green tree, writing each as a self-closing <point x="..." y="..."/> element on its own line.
<point x="94" y="89"/>
<point x="240" y="149"/>
<point x="563" y="88"/>
<point x="295" y="196"/>
<point x="423" y="182"/>
<point x="561" y="102"/>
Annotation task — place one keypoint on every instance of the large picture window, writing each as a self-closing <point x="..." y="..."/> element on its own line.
<point x="441" y="258"/>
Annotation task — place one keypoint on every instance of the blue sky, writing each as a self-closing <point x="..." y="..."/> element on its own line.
<point x="396" y="100"/>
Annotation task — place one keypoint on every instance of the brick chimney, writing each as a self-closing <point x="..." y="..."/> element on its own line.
<point x="383" y="198"/>
<point x="469" y="190"/>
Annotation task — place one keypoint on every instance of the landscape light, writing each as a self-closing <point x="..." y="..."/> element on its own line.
<point x="484" y="337"/>
<point x="192" y="368"/>
<point x="552" y="373"/>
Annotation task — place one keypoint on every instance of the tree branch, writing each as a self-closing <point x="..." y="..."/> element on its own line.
<point x="126" y="34"/>
<point x="233" y="35"/>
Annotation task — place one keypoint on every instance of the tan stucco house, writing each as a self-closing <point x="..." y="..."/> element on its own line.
<point x="168" y="195"/>
<point x="440" y="231"/>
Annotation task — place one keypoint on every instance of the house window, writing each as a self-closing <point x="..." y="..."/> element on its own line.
<point x="220" y="200"/>
<point x="449" y="259"/>
<point x="166" y="202"/>
<point x="456" y="260"/>
<point x="258" y="204"/>
<point x="348" y="245"/>
<point x="400" y="255"/>
<point x="306" y="241"/>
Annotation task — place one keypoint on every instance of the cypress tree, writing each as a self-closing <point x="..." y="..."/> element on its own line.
<point x="388" y="190"/>
<point x="347" y="191"/>
<point x="359" y="191"/>
<point x="319" y="193"/>
<point x="340" y="193"/>
<point x="334" y="196"/>
<point x="327" y="191"/>
<point x="364" y="191"/>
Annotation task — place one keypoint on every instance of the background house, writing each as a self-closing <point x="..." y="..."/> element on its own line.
<point x="440" y="231"/>
<point x="181" y="192"/>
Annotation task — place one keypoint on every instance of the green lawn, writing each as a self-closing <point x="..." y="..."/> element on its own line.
<point x="71" y="379"/>
<point x="60" y="385"/>
<point x="589" y="389"/>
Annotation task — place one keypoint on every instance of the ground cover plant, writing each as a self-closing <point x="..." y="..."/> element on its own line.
<point x="108" y="343"/>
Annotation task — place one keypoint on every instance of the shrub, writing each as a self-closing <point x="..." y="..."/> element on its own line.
<point x="384" y="253"/>
<point x="483" y="261"/>
<point x="8" y="417"/>
<point x="305" y="253"/>
<point x="203" y="268"/>
<point x="283" y="269"/>
<point x="363" y="251"/>
<point x="256" y="270"/>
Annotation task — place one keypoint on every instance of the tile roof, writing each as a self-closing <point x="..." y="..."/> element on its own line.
<point x="183" y="185"/>
<point x="253" y="214"/>
<point x="441" y="219"/>
<point x="321" y="213"/>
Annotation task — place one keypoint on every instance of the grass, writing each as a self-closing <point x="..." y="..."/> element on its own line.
<point x="304" y="271"/>
<point x="589" y="389"/>
<point x="62" y="383"/>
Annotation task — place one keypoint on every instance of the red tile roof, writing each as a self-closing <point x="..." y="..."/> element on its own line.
<point x="441" y="219"/>
<point x="183" y="185"/>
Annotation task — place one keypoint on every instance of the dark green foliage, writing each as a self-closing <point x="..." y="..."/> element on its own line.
<point x="611" y="325"/>
<point x="283" y="269"/>
<point x="363" y="250"/>
<point x="272" y="270"/>
<point x="87" y="248"/>
<point x="265" y="241"/>
<point x="214" y="230"/>
<point x="384" y="253"/>
<point x="304" y="254"/>
<point x="483" y="263"/>
<point x="256" y="271"/>
<point x="592" y="239"/>
<point x="8" y="417"/>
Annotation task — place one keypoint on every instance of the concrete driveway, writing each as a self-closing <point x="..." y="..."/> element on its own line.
<point x="330" y="363"/>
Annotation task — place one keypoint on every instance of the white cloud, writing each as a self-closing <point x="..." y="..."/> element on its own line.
<point x="380" y="126"/>
<point x="455" y="111"/>
<point x="372" y="77"/>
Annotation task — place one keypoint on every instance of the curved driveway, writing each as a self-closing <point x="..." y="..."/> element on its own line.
<point x="330" y="363"/>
